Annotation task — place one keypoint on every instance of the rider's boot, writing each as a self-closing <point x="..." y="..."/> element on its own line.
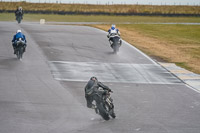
<point x="95" y="108"/>
<point x="111" y="45"/>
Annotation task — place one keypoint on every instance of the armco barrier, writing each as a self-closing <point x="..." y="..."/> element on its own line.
<point x="103" y="13"/>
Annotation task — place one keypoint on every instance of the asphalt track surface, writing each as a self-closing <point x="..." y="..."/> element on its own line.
<point x="44" y="93"/>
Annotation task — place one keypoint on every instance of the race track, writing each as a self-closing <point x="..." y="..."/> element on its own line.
<point x="44" y="93"/>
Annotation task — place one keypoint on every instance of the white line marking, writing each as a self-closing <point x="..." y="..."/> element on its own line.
<point x="156" y="83"/>
<point x="192" y="88"/>
<point x="112" y="72"/>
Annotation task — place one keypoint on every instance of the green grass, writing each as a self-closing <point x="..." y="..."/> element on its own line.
<point x="184" y="65"/>
<point x="100" y="18"/>
<point x="7" y="17"/>
<point x="178" y="34"/>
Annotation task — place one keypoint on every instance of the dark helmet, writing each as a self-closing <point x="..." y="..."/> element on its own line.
<point x="93" y="78"/>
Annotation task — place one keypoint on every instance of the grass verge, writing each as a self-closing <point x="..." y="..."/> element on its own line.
<point x="100" y="18"/>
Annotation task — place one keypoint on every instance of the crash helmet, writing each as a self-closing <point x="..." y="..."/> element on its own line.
<point x="20" y="8"/>
<point x="93" y="78"/>
<point x="18" y="31"/>
<point x="113" y="26"/>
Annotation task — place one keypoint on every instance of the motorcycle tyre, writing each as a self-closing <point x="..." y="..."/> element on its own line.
<point x="116" y="49"/>
<point x="103" y="112"/>
<point x="19" y="20"/>
<point x="113" y="114"/>
<point x="19" y="53"/>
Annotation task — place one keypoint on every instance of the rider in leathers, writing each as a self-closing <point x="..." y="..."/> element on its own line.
<point x="91" y="87"/>
<point x="19" y="11"/>
<point x="112" y="32"/>
<point x="16" y="37"/>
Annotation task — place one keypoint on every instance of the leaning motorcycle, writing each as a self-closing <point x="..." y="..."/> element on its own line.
<point x="115" y="42"/>
<point x="20" y="48"/>
<point x="104" y="104"/>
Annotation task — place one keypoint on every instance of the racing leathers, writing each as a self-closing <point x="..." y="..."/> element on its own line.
<point x="112" y="32"/>
<point x="16" y="38"/>
<point x="19" y="12"/>
<point x="92" y="87"/>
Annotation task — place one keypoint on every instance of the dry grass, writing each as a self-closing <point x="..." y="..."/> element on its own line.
<point x="162" y="50"/>
<point x="164" y="9"/>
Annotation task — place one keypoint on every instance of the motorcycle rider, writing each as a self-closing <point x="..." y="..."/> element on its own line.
<point x="16" y="37"/>
<point x="92" y="87"/>
<point x="19" y="12"/>
<point x="112" y="32"/>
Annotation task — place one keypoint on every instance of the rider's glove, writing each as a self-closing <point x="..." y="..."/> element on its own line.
<point x="110" y="90"/>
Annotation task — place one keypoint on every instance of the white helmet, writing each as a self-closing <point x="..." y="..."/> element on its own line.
<point x="19" y="31"/>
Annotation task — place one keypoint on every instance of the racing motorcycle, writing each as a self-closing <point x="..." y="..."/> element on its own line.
<point x="20" y="47"/>
<point x="115" y="42"/>
<point x="19" y="17"/>
<point x="104" y="104"/>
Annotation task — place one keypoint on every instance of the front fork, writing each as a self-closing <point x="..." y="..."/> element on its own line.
<point x="109" y="102"/>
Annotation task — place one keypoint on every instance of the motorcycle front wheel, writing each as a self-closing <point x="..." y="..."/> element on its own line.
<point x="103" y="112"/>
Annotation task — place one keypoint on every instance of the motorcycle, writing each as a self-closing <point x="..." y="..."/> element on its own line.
<point x="115" y="42"/>
<point x="104" y="104"/>
<point x="20" y="48"/>
<point x="19" y="16"/>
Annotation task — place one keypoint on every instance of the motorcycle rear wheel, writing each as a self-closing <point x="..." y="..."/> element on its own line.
<point x="19" y="53"/>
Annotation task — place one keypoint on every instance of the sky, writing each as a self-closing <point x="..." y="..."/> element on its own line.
<point x="149" y="2"/>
